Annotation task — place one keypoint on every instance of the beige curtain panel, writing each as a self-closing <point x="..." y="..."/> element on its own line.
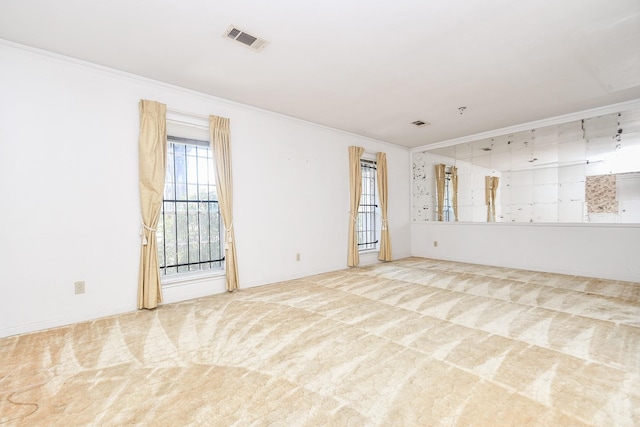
<point x="454" y="196"/>
<point x="221" y="147"/>
<point x="385" y="240"/>
<point x="490" y="193"/>
<point x="355" y="188"/>
<point x="440" y="169"/>
<point x="152" y="157"/>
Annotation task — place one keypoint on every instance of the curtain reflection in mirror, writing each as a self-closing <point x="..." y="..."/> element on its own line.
<point x="491" y="190"/>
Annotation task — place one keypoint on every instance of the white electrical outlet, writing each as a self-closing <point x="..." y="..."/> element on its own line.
<point x="79" y="287"/>
<point x="435" y="243"/>
<point x="298" y="256"/>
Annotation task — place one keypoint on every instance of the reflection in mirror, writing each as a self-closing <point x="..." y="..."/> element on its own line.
<point x="582" y="171"/>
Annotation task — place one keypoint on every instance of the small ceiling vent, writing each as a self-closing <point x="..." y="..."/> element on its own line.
<point x="252" y="42"/>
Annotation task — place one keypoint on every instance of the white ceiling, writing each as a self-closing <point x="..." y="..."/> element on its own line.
<point x="369" y="67"/>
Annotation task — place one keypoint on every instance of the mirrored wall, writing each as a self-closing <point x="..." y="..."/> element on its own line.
<point x="581" y="171"/>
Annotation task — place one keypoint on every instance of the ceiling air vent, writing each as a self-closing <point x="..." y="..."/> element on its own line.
<point x="420" y="123"/>
<point x="252" y="42"/>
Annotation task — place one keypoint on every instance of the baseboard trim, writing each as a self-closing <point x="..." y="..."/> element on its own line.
<point x="61" y="322"/>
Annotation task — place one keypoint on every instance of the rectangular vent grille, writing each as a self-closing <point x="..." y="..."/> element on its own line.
<point x="252" y="42"/>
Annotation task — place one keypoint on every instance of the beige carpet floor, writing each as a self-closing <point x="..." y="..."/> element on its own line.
<point x="415" y="342"/>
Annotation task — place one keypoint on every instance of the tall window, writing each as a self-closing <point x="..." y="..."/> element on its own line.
<point x="189" y="229"/>
<point x="447" y="211"/>
<point x="367" y="221"/>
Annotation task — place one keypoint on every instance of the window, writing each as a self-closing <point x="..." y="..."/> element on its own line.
<point x="367" y="220"/>
<point x="447" y="210"/>
<point x="189" y="230"/>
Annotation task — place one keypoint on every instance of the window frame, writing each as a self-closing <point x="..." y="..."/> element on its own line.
<point x="184" y="276"/>
<point x="447" y="209"/>
<point x="370" y="163"/>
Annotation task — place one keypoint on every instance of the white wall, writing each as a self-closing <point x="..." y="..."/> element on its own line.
<point x="595" y="250"/>
<point x="70" y="203"/>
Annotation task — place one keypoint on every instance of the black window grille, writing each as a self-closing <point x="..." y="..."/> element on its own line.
<point x="367" y="228"/>
<point x="189" y="229"/>
<point x="447" y="210"/>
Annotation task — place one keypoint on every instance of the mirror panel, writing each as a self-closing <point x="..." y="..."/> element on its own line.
<point x="581" y="171"/>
